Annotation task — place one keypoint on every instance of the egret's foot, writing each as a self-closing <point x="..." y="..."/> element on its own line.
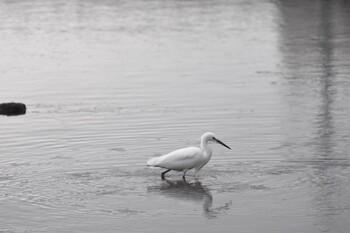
<point x="163" y="173"/>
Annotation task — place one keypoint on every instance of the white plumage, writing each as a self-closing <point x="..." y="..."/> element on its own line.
<point x="187" y="158"/>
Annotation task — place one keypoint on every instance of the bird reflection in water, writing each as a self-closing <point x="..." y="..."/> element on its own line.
<point x="189" y="191"/>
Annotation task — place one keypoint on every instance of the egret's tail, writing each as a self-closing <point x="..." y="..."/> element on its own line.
<point x="152" y="162"/>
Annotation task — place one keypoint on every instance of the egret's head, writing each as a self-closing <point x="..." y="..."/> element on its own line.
<point x="209" y="136"/>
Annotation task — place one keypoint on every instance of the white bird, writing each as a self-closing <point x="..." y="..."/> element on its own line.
<point x="187" y="158"/>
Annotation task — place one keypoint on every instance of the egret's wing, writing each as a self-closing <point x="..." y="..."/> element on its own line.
<point x="181" y="159"/>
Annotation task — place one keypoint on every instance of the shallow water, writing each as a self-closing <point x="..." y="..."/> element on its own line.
<point x="109" y="84"/>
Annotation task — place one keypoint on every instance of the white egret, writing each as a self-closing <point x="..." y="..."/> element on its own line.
<point x="187" y="158"/>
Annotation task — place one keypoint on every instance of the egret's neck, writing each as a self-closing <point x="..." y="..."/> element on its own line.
<point x="206" y="148"/>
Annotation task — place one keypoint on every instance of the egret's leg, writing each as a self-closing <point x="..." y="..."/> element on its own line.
<point x="163" y="173"/>
<point x="184" y="175"/>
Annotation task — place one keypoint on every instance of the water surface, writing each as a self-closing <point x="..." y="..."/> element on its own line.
<point x="110" y="84"/>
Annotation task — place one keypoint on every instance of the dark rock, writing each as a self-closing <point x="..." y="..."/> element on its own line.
<point x="12" y="109"/>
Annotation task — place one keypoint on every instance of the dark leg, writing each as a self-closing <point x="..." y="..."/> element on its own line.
<point x="163" y="173"/>
<point x="183" y="177"/>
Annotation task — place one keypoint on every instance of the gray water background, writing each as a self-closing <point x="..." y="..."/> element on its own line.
<point x="109" y="84"/>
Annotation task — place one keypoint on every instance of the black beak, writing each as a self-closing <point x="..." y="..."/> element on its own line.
<point x="220" y="142"/>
